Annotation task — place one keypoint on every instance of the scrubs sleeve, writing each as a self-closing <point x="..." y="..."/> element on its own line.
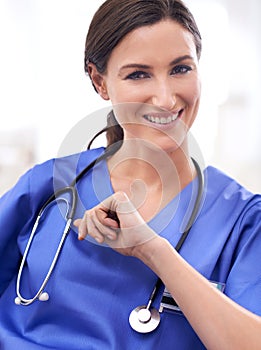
<point x="20" y="206"/>
<point x="244" y="280"/>
<point x="14" y="213"/>
<point x="18" y="210"/>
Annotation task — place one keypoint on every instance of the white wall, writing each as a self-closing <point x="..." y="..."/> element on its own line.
<point x="44" y="91"/>
<point x="229" y="124"/>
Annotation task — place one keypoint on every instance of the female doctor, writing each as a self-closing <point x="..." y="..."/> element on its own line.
<point x="151" y="234"/>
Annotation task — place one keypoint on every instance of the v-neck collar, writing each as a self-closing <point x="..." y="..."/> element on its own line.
<point x="179" y="207"/>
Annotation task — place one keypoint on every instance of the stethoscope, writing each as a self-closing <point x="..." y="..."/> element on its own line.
<point x="71" y="208"/>
<point x="143" y="319"/>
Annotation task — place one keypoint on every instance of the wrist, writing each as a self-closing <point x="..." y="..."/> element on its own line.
<point x="150" y="251"/>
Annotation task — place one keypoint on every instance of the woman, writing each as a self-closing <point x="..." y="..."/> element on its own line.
<point x="143" y="56"/>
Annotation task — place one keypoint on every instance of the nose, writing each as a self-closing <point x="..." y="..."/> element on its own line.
<point x="163" y="96"/>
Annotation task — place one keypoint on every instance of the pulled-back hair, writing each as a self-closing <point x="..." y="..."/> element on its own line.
<point x="115" y="19"/>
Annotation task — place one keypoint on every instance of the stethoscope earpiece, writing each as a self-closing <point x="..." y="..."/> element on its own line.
<point x="43" y="296"/>
<point x="17" y="301"/>
<point x="21" y="301"/>
<point x="144" y="320"/>
<point x="71" y="207"/>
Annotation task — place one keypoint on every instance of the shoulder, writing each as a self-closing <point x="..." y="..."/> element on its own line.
<point x="38" y="183"/>
<point x="229" y="206"/>
<point x="63" y="170"/>
<point x="223" y="189"/>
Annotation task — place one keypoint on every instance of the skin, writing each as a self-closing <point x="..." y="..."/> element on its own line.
<point x="140" y="83"/>
<point x="160" y="88"/>
<point x="152" y="83"/>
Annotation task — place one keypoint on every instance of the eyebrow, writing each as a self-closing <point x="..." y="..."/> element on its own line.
<point x="144" y="66"/>
<point x="180" y="59"/>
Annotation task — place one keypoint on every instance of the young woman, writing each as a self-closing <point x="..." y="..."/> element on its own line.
<point x="156" y="225"/>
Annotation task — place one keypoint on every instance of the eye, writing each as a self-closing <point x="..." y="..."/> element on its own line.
<point x="181" y="69"/>
<point x="137" y="75"/>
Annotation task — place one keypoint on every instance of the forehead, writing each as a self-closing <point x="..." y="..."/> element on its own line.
<point x="163" y="39"/>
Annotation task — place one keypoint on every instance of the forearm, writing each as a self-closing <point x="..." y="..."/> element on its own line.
<point x="218" y="321"/>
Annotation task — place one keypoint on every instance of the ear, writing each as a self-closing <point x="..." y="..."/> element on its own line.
<point x="98" y="81"/>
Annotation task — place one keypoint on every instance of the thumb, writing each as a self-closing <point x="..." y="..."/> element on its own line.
<point x="125" y="210"/>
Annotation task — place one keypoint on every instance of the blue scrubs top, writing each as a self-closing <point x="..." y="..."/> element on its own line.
<point x="93" y="289"/>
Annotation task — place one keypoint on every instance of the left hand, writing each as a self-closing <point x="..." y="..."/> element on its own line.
<point x="124" y="233"/>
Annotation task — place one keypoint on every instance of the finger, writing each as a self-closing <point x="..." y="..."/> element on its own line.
<point x="104" y="230"/>
<point x="82" y="227"/>
<point x="110" y="204"/>
<point x="77" y="222"/>
<point x="113" y="215"/>
<point x="93" y="230"/>
<point x="115" y="206"/>
<point x="108" y="218"/>
<point x="90" y="225"/>
<point x="111" y="223"/>
<point x="86" y="226"/>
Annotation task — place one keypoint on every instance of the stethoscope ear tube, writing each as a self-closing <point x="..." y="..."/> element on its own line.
<point x="71" y="190"/>
<point x="42" y="296"/>
<point x="195" y="209"/>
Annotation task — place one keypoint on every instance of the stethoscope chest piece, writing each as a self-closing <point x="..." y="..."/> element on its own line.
<point x="144" y="320"/>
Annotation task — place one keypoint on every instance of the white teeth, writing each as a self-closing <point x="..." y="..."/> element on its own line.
<point x="161" y="120"/>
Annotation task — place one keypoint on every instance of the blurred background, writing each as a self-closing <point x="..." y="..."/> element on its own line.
<point x="44" y="92"/>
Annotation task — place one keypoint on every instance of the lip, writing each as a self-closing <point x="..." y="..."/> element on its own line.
<point x="162" y="119"/>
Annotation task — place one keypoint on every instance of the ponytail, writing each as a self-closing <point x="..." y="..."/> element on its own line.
<point x="114" y="132"/>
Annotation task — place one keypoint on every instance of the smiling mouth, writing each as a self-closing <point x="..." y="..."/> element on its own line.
<point x="162" y="120"/>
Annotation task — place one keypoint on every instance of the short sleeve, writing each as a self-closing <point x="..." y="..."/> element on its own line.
<point x="20" y="206"/>
<point x="14" y="213"/>
<point x="244" y="280"/>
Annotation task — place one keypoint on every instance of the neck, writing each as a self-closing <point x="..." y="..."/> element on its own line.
<point x="150" y="177"/>
<point x="152" y="165"/>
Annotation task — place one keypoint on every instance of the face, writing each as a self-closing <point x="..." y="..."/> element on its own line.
<point x="153" y="83"/>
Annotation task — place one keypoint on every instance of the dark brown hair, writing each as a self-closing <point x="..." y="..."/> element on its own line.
<point x="115" y="19"/>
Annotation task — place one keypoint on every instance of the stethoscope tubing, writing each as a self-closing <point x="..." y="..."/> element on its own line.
<point x="189" y="224"/>
<point x="69" y="217"/>
<point x="20" y="299"/>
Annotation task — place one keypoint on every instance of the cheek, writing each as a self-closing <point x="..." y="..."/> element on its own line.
<point x="128" y="114"/>
<point x="193" y="104"/>
<point x="121" y="92"/>
<point x="193" y="89"/>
